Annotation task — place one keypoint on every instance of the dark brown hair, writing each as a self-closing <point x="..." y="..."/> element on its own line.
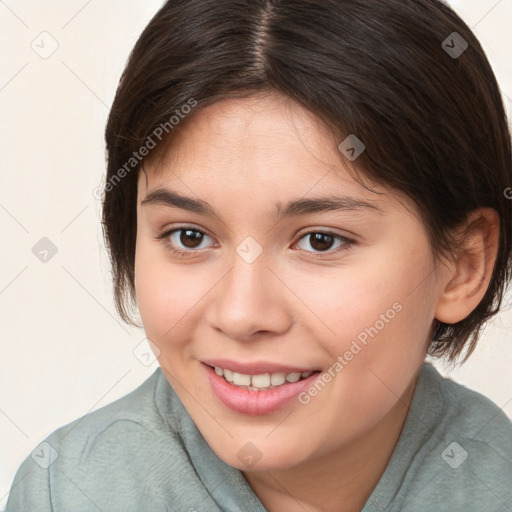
<point x="433" y="123"/>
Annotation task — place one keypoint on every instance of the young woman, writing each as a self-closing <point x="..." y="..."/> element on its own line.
<point x="304" y="198"/>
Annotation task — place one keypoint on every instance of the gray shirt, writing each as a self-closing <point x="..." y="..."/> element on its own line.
<point x="144" y="453"/>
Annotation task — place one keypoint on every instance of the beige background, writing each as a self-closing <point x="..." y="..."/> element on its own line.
<point x="64" y="352"/>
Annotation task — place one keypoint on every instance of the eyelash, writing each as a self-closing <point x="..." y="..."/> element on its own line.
<point x="347" y="243"/>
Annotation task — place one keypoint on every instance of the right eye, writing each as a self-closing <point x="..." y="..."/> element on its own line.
<point x="183" y="240"/>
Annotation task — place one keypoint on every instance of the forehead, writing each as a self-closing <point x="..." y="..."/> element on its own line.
<point x="266" y="146"/>
<point x="263" y="128"/>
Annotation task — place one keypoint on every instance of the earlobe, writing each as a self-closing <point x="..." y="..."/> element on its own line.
<point x="466" y="279"/>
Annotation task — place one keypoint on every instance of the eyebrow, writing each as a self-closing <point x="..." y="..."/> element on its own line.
<point x="305" y="206"/>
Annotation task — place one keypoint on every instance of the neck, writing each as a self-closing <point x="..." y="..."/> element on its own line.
<point x="340" y="481"/>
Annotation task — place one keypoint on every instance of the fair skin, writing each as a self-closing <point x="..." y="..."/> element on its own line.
<point x="298" y="303"/>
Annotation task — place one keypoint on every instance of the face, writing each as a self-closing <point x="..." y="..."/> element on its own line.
<point x="235" y="277"/>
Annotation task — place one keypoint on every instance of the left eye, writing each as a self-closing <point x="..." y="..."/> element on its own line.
<point x="322" y="242"/>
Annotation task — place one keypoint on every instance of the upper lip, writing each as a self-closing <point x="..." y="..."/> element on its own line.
<point x="255" y="367"/>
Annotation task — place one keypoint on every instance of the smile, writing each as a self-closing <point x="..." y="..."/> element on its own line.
<point x="261" y="382"/>
<point x="259" y="393"/>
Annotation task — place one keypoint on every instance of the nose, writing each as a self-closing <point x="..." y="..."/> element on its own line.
<point x="250" y="301"/>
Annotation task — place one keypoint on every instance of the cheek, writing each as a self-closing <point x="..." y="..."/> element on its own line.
<point x="166" y="294"/>
<point x="366" y="299"/>
<point x="376" y="316"/>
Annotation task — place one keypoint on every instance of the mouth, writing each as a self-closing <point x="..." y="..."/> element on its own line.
<point x="261" y="381"/>
<point x="260" y="393"/>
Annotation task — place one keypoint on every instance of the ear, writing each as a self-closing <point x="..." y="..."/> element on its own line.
<point x="466" y="279"/>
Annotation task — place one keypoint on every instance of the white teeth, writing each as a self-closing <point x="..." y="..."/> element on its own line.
<point x="276" y="379"/>
<point x="261" y="381"/>
<point x="239" y="379"/>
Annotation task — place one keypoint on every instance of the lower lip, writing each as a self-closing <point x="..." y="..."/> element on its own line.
<point x="256" y="403"/>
